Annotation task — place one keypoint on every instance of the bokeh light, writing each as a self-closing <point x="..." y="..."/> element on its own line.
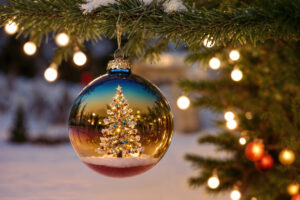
<point x="29" y="48"/>
<point x="183" y="102"/>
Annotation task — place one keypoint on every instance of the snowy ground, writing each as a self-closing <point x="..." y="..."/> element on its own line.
<point x="38" y="172"/>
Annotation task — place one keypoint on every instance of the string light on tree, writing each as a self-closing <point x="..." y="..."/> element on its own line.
<point x="287" y="156"/>
<point x="213" y="182"/>
<point x="11" y="28"/>
<point x="62" y="39"/>
<point x="183" y="102"/>
<point x="236" y="74"/>
<point x="229" y="115"/>
<point x="50" y="73"/>
<point x="231" y="124"/>
<point x="234" y="55"/>
<point x="242" y="140"/>
<point x="235" y="194"/>
<point x="214" y="63"/>
<point x="208" y="43"/>
<point x="79" y="58"/>
<point x="293" y="188"/>
<point x="29" y="48"/>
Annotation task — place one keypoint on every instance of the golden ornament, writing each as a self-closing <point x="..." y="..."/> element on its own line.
<point x="287" y="156"/>
<point x="293" y="189"/>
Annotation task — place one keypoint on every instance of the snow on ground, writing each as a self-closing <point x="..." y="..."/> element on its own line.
<point x="47" y="173"/>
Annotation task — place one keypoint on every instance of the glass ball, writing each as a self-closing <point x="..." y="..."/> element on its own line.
<point x="120" y="124"/>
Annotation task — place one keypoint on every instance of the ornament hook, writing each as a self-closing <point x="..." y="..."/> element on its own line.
<point x="119" y="52"/>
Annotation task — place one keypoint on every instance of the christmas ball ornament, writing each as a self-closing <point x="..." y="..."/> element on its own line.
<point x="255" y="151"/>
<point x="265" y="163"/>
<point x="293" y="189"/>
<point x="120" y="125"/>
<point x="86" y="78"/>
<point x="296" y="197"/>
<point x="286" y="157"/>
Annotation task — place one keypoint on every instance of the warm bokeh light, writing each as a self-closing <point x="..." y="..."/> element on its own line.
<point x="293" y="189"/>
<point x="50" y="73"/>
<point x="229" y="116"/>
<point x="183" y="102"/>
<point x="208" y="43"/>
<point x="287" y="157"/>
<point x="248" y="115"/>
<point x="79" y="58"/>
<point x="214" y="63"/>
<point x="235" y="194"/>
<point x="232" y="124"/>
<point x="29" y="48"/>
<point x="213" y="182"/>
<point x="242" y="141"/>
<point x="234" y="55"/>
<point x="62" y="39"/>
<point x="11" y="28"/>
<point x="236" y="74"/>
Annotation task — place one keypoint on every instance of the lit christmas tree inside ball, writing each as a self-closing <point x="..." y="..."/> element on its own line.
<point x="183" y="102"/>
<point x="231" y="124"/>
<point x="236" y="74"/>
<point x="50" y="73"/>
<point x="11" y="28"/>
<point x="213" y="182"/>
<point x="29" y="48"/>
<point x="234" y="55"/>
<point x="214" y="63"/>
<point x="79" y="58"/>
<point x="229" y="116"/>
<point x="62" y="39"/>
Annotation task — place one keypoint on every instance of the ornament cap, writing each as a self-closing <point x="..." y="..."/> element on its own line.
<point x="118" y="63"/>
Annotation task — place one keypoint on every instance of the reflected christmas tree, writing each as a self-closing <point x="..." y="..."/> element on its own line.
<point x="120" y="139"/>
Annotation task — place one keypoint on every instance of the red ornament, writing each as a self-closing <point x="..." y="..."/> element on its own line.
<point x="255" y="151"/>
<point x="296" y="197"/>
<point x="86" y="78"/>
<point x="265" y="163"/>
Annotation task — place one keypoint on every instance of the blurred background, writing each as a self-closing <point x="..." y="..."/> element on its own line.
<point x="37" y="159"/>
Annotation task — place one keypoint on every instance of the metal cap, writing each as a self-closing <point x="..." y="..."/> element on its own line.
<point x="118" y="63"/>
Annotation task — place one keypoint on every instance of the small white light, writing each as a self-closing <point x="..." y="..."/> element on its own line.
<point x="50" y="73"/>
<point x="62" y="39"/>
<point x="236" y="74"/>
<point x="208" y="43"/>
<point x="79" y="58"/>
<point x="11" y="28"/>
<point x="229" y="116"/>
<point x="248" y="115"/>
<point x="183" y="102"/>
<point x="214" y="63"/>
<point x="29" y="48"/>
<point x="213" y="182"/>
<point x="232" y="124"/>
<point x="242" y="141"/>
<point x="234" y="55"/>
<point x="235" y="194"/>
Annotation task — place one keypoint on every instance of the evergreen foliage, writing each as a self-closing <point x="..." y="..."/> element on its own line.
<point x="18" y="133"/>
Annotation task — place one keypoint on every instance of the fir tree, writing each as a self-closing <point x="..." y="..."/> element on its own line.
<point x="18" y="133"/>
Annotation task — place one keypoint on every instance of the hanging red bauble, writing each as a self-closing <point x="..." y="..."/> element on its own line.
<point x="296" y="197"/>
<point x="86" y="78"/>
<point x="265" y="163"/>
<point x="255" y="151"/>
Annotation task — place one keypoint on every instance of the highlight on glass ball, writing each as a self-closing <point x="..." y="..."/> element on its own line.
<point x="120" y="125"/>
